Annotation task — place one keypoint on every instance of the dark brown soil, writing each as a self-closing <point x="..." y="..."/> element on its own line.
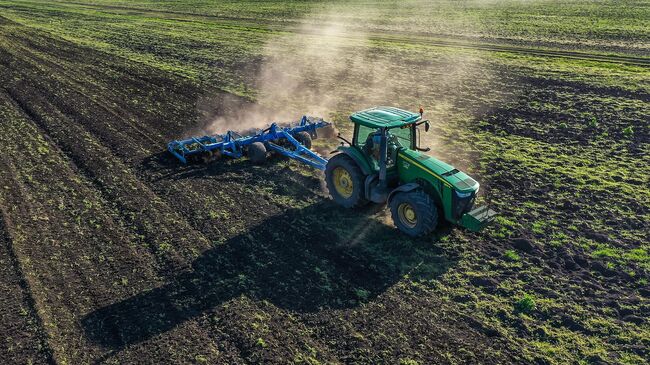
<point x="23" y="333"/>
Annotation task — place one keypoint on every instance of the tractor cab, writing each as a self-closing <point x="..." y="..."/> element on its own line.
<point x="398" y="127"/>
<point x="385" y="164"/>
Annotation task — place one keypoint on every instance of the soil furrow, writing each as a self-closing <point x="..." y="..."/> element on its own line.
<point x="189" y="330"/>
<point x="48" y="238"/>
<point x="35" y="108"/>
<point x="20" y="318"/>
<point x="112" y="178"/>
<point x="121" y="135"/>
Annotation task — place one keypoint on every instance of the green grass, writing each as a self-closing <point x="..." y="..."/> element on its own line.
<point x="609" y="22"/>
<point x="209" y="42"/>
<point x="511" y="255"/>
<point x="526" y="304"/>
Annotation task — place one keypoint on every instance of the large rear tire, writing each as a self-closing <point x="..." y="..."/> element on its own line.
<point x="257" y="153"/>
<point x="345" y="181"/>
<point x="414" y="212"/>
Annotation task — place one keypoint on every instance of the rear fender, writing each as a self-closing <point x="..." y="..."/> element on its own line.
<point x="358" y="157"/>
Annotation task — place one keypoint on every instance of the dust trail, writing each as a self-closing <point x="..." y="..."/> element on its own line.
<point x="318" y="70"/>
<point x="299" y="75"/>
<point x="332" y="66"/>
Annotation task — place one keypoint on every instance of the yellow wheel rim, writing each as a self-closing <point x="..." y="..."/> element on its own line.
<point x="407" y="215"/>
<point x="343" y="182"/>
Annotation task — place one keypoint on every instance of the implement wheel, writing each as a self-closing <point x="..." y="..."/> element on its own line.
<point x="209" y="156"/>
<point x="304" y="138"/>
<point x="345" y="181"/>
<point x="414" y="212"/>
<point x="257" y="153"/>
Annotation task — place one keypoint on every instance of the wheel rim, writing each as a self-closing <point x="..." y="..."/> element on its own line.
<point x="407" y="215"/>
<point x="343" y="182"/>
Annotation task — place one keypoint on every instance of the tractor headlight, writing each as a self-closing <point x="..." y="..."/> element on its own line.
<point x="463" y="195"/>
<point x="462" y="202"/>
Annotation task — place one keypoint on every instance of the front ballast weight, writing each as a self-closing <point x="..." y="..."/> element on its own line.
<point x="293" y="141"/>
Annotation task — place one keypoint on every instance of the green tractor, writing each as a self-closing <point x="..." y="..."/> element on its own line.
<point x="385" y="164"/>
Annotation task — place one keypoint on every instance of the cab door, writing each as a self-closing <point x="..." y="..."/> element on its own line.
<point x="360" y="139"/>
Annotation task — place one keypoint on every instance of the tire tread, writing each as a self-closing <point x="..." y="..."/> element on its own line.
<point x="425" y="209"/>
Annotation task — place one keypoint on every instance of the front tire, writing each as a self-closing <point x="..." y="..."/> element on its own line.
<point x="414" y="212"/>
<point x="345" y="181"/>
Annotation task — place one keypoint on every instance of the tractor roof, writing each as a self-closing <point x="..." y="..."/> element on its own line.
<point x="384" y="116"/>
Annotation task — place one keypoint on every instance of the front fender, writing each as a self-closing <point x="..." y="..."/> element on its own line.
<point x="405" y="187"/>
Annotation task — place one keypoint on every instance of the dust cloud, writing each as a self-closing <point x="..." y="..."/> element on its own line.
<point x="304" y="72"/>
<point x="336" y="62"/>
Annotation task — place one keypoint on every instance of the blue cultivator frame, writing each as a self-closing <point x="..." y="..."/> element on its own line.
<point x="233" y="144"/>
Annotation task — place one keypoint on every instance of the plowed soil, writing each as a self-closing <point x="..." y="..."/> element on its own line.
<point x="112" y="252"/>
<point x="125" y="263"/>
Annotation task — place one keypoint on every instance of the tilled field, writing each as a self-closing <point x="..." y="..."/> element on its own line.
<point x="130" y="258"/>
<point x="113" y="253"/>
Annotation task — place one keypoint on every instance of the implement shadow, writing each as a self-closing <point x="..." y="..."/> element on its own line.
<point x="303" y="260"/>
<point x="163" y="166"/>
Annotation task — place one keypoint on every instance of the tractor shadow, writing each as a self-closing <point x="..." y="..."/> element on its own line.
<point x="304" y="260"/>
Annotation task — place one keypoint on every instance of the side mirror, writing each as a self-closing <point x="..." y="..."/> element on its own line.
<point x="426" y="126"/>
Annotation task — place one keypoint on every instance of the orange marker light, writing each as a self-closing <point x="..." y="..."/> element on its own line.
<point x="421" y="110"/>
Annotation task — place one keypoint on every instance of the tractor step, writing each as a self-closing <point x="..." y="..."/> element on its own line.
<point x="478" y="218"/>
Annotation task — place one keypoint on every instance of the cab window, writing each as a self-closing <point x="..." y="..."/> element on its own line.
<point x="401" y="137"/>
<point x="363" y="133"/>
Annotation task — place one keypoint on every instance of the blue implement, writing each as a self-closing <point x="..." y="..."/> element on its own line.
<point x="275" y="138"/>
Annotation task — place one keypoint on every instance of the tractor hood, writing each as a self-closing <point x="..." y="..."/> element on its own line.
<point x="441" y="170"/>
